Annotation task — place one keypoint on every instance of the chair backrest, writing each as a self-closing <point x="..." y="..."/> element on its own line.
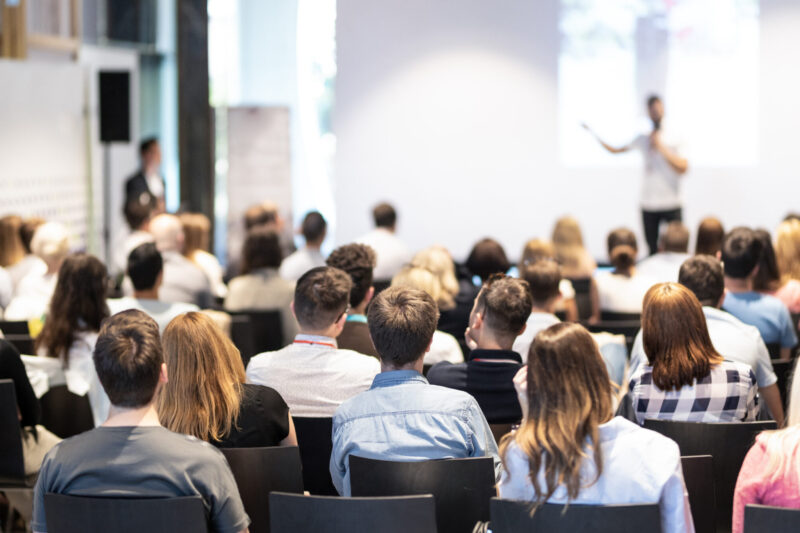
<point x="727" y="443"/>
<point x="23" y="343"/>
<point x="79" y="514"/>
<point x="613" y="316"/>
<point x="12" y="467"/>
<point x="462" y="487"/>
<point x="759" y="518"/>
<point x="242" y="336"/>
<point x="514" y="516"/>
<point x="14" y="327"/>
<point x="65" y="413"/>
<point x="314" y="440"/>
<point x="583" y="296"/>
<point x="774" y="349"/>
<point x="259" y="471"/>
<point x="266" y="331"/>
<point x="311" y="514"/>
<point x="783" y="370"/>
<point x="698" y="474"/>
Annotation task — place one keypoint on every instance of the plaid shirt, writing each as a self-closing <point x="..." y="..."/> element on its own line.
<point x="726" y="394"/>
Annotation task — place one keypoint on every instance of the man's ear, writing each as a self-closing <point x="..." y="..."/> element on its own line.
<point x="341" y="321"/>
<point x="291" y="306"/>
<point x="370" y="295"/>
<point x="477" y="321"/>
<point x="524" y="327"/>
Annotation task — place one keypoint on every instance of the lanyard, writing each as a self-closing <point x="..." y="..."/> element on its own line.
<point x="328" y="344"/>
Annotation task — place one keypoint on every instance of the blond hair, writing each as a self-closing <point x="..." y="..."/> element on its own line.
<point x="534" y="250"/>
<point x="568" y="246"/>
<point x="196" y="233"/>
<point x="415" y="277"/>
<point x="439" y="262"/>
<point x="787" y="249"/>
<point x="11" y="248"/>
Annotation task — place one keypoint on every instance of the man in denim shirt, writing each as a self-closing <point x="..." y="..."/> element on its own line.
<point x="402" y="417"/>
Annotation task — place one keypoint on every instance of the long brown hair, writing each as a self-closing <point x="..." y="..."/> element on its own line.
<point x="675" y="337"/>
<point x="196" y="232"/>
<point x="203" y="395"/>
<point x="787" y="250"/>
<point x="569" y="396"/>
<point x="11" y="247"/>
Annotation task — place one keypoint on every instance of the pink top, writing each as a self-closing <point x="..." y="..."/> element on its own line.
<point x="752" y="487"/>
<point x="789" y="294"/>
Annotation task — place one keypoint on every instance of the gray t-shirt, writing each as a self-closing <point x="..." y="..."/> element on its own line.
<point x="141" y="462"/>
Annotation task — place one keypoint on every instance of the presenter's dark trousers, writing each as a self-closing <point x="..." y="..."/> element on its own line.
<point x="652" y="221"/>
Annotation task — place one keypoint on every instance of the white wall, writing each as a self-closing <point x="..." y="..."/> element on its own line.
<point x="448" y="109"/>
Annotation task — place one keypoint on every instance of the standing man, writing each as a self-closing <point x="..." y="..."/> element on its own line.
<point x="147" y="186"/>
<point x="664" y="166"/>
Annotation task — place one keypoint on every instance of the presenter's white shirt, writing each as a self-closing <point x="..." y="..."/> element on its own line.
<point x="661" y="183"/>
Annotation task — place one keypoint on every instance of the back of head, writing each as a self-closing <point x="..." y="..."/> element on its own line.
<point x="264" y="214"/>
<point x="384" y="216"/>
<point x="262" y="249"/>
<point x="787" y="250"/>
<point x="543" y="278"/>
<point x="486" y="258"/>
<point x="314" y="228"/>
<point x="358" y="261"/>
<point x="767" y="278"/>
<point x="321" y="297"/>
<point x="420" y="279"/>
<point x="505" y="304"/>
<point x="675" y="238"/>
<point x="536" y="250"/>
<point x="11" y="247"/>
<point x="196" y="231"/>
<point x="568" y="242"/>
<point x="27" y="230"/>
<point x="709" y="236"/>
<point x="401" y="322"/>
<point x="144" y="265"/>
<point x="167" y="233"/>
<point x="51" y="242"/>
<point x="675" y="337"/>
<point x="741" y="252"/>
<point x="203" y="395"/>
<point x="137" y="214"/>
<point x="439" y="262"/>
<point x="702" y="274"/>
<point x="622" y="248"/>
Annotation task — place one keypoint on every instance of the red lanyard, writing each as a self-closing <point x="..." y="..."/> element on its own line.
<point x="328" y="344"/>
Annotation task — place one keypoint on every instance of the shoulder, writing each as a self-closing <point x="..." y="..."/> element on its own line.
<point x="265" y="358"/>
<point x="445" y="372"/>
<point x="452" y="399"/>
<point x="737" y="371"/>
<point x="359" y="360"/>
<point x="262" y="393"/>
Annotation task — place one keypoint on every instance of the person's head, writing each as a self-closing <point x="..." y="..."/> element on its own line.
<point x="419" y="278"/>
<point x="500" y="311"/>
<point x="262" y="249"/>
<point x="568" y="242"/>
<point x="767" y="277"/>
<point x="675" y="337"/>
<point x="150" y="153"/>
<point x="543" y="278"/>
<point x="439" y="262"/>
<point x="709" y="236"/>
<point x="792" y="216"/>
<point x="622" y="249"/>
<point x="145" y="267"/>
<point x="358" y="261"/>
<point x="78" y="304"/>
<point x="203" y="394"/>
<point x="787" y="251"/>
<point x="314" y="229"/>
<point x="321" y="298"/>
<point x="384" y="216"/>
<point x="675" y="238"/>
<point x="51" y="243"/>
<point x="129" y="360"/>
<point x="486" y="258"/>
<point x="702" y="274"/>
<point x="741" y="252"/>
<point x="138" y="214"/>
<point x="11" y="248"/>
<point x="197" y="233"/>
<point x="569" y="396"/>
<point x="264" y="214"/>
<point x="27" y="229"/>
<point x="655" y="110"/>
<point x="536" y="250"/>
<point x="401" y="322"/>
<point x="167" y="233"/>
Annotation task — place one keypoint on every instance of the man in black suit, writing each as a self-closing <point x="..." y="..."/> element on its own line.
<point x="147" y="186"/>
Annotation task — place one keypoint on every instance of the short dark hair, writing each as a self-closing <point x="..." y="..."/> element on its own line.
<point x="702" y="274"/>
<point x="506" y="304"/>
<point x="741" y="252"/>
<point x="622" y="248"/>
<point x="402" y="322"/>
<point x="144" y="265"/>
<point x="486" y="258"/>
<point x="146" y="144"/>
<point x="321" y="296"/>
<point x="384" y="215"/>
<point x="767" y="279"/>
<point x="709" y="236"/>
<point x="652" y="99"/>
<point x="137" y="213"/>
<point x="358" y="260"/>
<point x="259" y="215"/>
<point x="675" y="238"/>
<point x="543" y="278"/>
<point x="262" y="249"/>
<point x="128" y="358"/>
<point x="314" y="226"/>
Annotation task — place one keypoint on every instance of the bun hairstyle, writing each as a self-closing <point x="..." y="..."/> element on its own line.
<point x="622" y="248"/>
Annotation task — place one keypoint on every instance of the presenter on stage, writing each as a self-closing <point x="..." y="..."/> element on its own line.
<point x="663" y="168"/>
<point x="147" y="185"/>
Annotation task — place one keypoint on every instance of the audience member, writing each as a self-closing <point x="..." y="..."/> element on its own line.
<point x="686" y="378"/>
<point x="486" y="258"/>
<point x="314" y="231"/>
<point x="146" y="272"/>
<point x="401" y="417"/>
<point x="12" y="251"/>
<point x="358" y="261"/>
<point x="574" y="258"/>
<point x="570" y="447"/>
<point x="673" y="250"/>
<point x="544" y="279"/>
<point x="622" y="289"/>
<point x="498" y="317"/>
<point x="767" y="279"/>
<point x="197" y="246"/>
<point x="260" y="287"/>
<point x="741" y="253"/>
<point x="709" y="237"/>
<point x="312" y="374"/>
<point x="787" y="252"/>
<point x="206" y="395"/>
<point x="129" y="363"/>
<point x="391" y="252"/>
<point x="538" y="249"/>
<point x="147" y="185"/>
<point x="138" y="216"/>
<point x="6" y="290"/>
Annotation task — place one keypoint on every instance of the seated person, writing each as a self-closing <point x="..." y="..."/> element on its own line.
<point x="313" y="375"/>
<point x="622" y="290"/>
<point x="314" y="231"/>
<point x="537" y="250"/>
<point x="741" y="253"/>
<point x="673" y="250"/>
<point x="206" y="395"/>
<point x="401" y="417"/>
<point x="357" y="260"/>
<point x="709" y="237"/>
<point x="129" y="362"/>
<point x="544" y="280"/>
<point x="498" y="317"/>
<point x="577" y="264"/>
<point x="787" y="255"/>
<point x="146" y="272"/>
<point x="137" y="215"/>
<point x="197" y="249"/>
<point x="16" y="255"/>
<point x="581" y="452"/>
<point x="686" y="379"/>
<point x="391" y="253"/>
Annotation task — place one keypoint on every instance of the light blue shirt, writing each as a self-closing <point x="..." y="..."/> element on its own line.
<point x="404" y="418"/>
<point x="765" y="312"/>
<point x="639" y="466"/>
<point x="732" y="338"/>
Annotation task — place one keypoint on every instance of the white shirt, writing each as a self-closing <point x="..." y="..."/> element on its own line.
<point x="300" y="262"/>
<point x="620" y="293"/>
<point x="32" y="297"/>
<point x="444" y="347"/>
<point x="536" y="323"/>
<point x="155" y="184"/>
<point x="392" y="254"/>
<point x="313" y="375"/>
<point x="663" y="266"/>
<point x="161" y="312"/>
<point x="132" y="240"/>
<point x="661" y="183"/>
<point x="209" y="264"/>
<point x="6" y="288"/>
<point x="30" y="264"/>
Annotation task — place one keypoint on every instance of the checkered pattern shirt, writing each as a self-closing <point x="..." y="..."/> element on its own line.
<point x="726" y="394"/>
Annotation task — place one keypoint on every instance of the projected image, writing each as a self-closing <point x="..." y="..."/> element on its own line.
<point x="701" y="56"/>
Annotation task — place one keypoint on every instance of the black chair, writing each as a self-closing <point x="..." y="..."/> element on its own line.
<point x="783" y="370"/>
<point x="314" y="440"/>
<point x="314" y="514"/>
<point x="79" y="514"/>
<point x="774" y="349"/>
<point x="514" y="517"/>
<point x="613" y="316"/>
<point x="259" y="471"/>
<point x="265" y="332"/>
<point x="462" y="487"/>
<point x="12" y="466"/>
<point x="698" y="474"/>
<point x="760" y="518"/>
<point x="65" y="413"/>
<point x="243" y="337"/>
<point x="727" y="443"/>
<point x="14" y="327"/>
<point x="381" y="285"/>
<point x="23" y="343"/>
<point x="583" y="297"/>
<point x="628" y="328"/>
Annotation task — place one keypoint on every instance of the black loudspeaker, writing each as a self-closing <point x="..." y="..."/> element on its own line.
<point x="115" y="106"/>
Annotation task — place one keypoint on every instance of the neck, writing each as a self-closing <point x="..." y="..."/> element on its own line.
<point x="314" y="246"/>
<point x="132" y="416"/>
<point x="630" y="271"/>
<point x="360" y="309"/>
<point x="488" y="341"/>
<point x="330" y="331"/>
<point x="147" y="294"/>
<point x="544" y="308"/>
<point x="417" y="365"/>
<point x="738" y="284"/>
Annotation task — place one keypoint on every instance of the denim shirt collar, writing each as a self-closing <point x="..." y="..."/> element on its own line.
<point x="398" y="377"/>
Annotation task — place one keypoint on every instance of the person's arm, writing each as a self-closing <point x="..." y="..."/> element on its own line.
<point x="291" y="438"/>
<point x="484" y="443"/>
<point x="747" y="487"/>
<point x="608" y="147"/>
<point x="676" y="514"/>
<point x="338" y="463"/>
<point x="679" y="164"/>
<point x="752" y="404"/>
<point x="772" y="397"/>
